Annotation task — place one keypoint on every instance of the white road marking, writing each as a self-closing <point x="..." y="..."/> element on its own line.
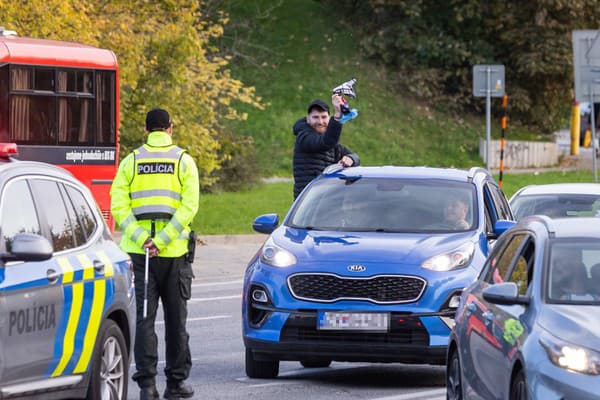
<point x="200" y="319"/>
<point x="296" y="372"/>
<point x="424" y="394"/>
<point x="210" y="284"/>
<point x="201" y="299"/>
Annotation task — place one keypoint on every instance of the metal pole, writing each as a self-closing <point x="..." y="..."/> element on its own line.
<point x="488" y="117"/>
<point x="593" y="127"/>
<point x="503" y="138"/>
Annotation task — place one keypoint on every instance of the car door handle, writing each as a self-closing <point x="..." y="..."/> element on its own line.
<point x="488" y="317"/>
<point x="52" y="275"/>
<point x="470" y="307"/>
<point x="99" y="266"/>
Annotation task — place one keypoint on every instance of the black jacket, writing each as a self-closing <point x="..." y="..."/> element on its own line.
<point x="313" y="151"/>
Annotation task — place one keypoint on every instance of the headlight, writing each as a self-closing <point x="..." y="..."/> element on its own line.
<point x="276" y="256"/>
<point x="459" y="258"/>
<point x="570" y="356"/>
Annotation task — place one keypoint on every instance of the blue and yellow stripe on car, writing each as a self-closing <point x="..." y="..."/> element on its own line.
<point x="86" y="293"/>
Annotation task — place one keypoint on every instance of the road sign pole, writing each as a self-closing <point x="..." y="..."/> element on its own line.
<point x="586" y="67"/>
<point x="593" y="127"/>
<point x="483" y="76"/>
<point x="488" y="118"/>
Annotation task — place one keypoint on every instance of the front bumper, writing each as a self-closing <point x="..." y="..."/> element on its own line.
<point x="294" y="336"/>
<point x="376" y="353"/>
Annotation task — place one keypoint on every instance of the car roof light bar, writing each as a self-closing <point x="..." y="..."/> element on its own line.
<point x="8" y="149"/>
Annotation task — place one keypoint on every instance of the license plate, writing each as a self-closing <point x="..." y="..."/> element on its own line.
<point x="353" y="321"/>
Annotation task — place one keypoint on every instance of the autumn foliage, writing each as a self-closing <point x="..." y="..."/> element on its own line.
<point x="166" y="60"/>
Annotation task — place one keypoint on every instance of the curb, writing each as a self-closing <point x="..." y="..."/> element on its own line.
<point x="230" y="240"/>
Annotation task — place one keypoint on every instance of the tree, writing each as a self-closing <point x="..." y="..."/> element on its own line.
<point x="167" y="59"/>
<point x="433" y="46"/>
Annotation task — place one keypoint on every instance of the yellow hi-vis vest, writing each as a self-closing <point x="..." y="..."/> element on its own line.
<point x="145" y="187"/>
<point x="155" y="193"/>
<point x="155" y="189"/>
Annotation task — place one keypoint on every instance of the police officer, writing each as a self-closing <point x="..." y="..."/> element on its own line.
<point x="154" y="198"/>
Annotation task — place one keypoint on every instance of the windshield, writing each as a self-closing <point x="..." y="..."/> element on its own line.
<point x="556" y="205"/>
<point x="574" y="272"/>
<point x="386" y="204"/>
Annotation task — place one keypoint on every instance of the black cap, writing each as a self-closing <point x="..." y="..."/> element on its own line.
<point x="319" y="104"/>
<point x="157" y="119"/>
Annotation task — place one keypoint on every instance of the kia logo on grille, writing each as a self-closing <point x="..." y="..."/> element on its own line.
<point x="357" y="268"/>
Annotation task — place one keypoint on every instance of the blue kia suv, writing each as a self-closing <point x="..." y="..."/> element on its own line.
<point x="368" y="265"/>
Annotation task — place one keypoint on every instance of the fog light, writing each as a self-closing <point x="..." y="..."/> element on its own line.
<point x="260" y="296"/>
<point x="454" y="301"/>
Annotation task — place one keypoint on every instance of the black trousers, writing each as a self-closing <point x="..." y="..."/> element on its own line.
<point x="170" y="280"/>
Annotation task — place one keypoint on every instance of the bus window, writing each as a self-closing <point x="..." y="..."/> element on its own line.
<point x="60" y="103"/>
<point x="106" y="133"/>
<point x="4" y="103"/>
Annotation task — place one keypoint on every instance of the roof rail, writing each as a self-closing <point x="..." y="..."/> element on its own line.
<point x="543" y="219"/>
<point x="332" y="169"/>
<point x="6" y="33"/>
<point x="475" y="170"/>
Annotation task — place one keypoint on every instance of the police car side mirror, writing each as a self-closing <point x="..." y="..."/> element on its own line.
<point x="28" y="247"/>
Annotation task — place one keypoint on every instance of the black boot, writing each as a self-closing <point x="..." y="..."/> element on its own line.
<point x="178" y="390"/>
<point x="149" y="393"/>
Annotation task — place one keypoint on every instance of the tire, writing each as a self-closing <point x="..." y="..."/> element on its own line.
<point x="109" y="373"/>
<point x="453" y="378"/>
<point x="518" y="387"/>
<point x="315" y="363"/>
<point x="260" y="369"/>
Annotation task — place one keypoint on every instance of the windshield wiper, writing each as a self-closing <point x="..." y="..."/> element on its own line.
<point x="307" y="227"/>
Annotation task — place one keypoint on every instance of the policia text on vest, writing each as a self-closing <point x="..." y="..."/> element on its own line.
<point x="156" y="168"/>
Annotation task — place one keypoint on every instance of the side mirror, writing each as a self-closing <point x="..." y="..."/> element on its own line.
<point x="501" y="226"/>
<point x="505" y="293"/>
<point x="28" y="247"/>
<point x="266" y="223"/>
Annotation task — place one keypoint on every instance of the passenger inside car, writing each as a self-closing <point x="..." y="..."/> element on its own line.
<point x="569" y="277"/>
<point x="455" y="213"/>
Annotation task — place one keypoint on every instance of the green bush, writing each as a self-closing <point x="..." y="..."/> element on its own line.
<point x="239" y="166"/>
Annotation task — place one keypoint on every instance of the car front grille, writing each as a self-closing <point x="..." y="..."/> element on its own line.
<point x="380" y="289"/>
<point x="404" y="330"/>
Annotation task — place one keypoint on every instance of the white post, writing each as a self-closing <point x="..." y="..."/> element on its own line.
<point x="593" y="127"/>
<point x="488" y="117"/>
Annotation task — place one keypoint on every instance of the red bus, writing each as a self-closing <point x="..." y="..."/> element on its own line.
<point x="59" y="101"/>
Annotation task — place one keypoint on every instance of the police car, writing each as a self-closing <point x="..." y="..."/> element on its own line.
<point x="67" y="301"/>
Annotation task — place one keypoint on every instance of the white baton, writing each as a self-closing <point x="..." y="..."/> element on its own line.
<point x="146" y="266"/>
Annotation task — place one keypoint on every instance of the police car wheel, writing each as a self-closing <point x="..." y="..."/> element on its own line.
<point x="315" y="363"/>
<point x="110" y="367"/>
<point x="260" y="369"/>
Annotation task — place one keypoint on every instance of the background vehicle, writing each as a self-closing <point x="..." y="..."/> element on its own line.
<point x="59" y="101"/>
<point x="557" y="200"/>
<point x="529" y="327"/>
<point x="66" y="289"/>
<point x="364" y="267"/>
